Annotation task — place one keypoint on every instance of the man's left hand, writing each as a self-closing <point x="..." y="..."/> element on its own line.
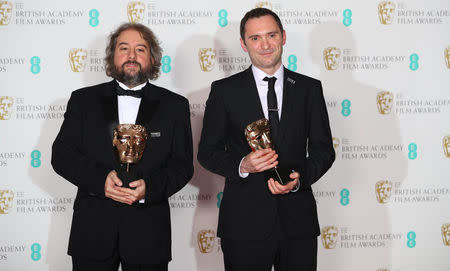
<point x="135" y="194"/>
<point x="276" y="188"/>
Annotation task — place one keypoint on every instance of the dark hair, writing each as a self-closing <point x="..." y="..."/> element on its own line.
<point x="256" y="13"/>
<point x="148" y="36"/>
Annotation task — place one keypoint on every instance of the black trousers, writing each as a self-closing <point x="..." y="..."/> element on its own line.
<point x="112" y="264"/>
<point x="277" y="251"/>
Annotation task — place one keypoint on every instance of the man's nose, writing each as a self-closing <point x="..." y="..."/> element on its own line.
<point x="264" y="43"/>
<point x="132" y="54"/>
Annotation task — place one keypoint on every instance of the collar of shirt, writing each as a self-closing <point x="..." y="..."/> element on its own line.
<point x="262" y="87"/>
<point x="128" y="106"/>
<point x="122" y="85"/>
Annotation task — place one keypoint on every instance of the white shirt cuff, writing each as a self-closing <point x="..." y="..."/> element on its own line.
<point x="242" y="175"/>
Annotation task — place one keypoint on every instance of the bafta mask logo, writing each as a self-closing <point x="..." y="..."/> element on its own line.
<point x="446" y="145"/>
<point x="383" y="191"/>
<point x="329" y="237"/>
<point x="6" y="201"/>
<point x="382" y="269"/>
<point x="6" y="104"/>
<point x="446" y="234"/>
<point x="386" y="10"/>
<point x="331" y="57"/>
<point x="77" y="59"/>
<point x="336" y="143"/>
<point x="205" y="240"/>
<point x="264" y="4"/>
<point x="207" y="59"/>
<point x="384" y="102"/>
<point x="135" y="11"/>
<point x="5" y="12"/>
<point x="447" y="56"/>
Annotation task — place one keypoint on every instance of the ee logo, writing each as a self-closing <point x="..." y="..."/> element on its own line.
<point x="345" y="200"/>
<point x="223" y="21"/>
<point x="36" y="252"/>
<point x="93" y="17"/>
<point x="166" y="60"/>
<point x="35" y="158"/>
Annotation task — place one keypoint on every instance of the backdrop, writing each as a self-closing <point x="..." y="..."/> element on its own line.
<point x="385" y="69"/>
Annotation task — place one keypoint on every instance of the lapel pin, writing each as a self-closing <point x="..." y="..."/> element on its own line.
<point x="290" y="80"/>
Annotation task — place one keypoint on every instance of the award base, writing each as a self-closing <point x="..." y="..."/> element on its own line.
<point x="280" y="174"/>
<point x="128" y="176"/>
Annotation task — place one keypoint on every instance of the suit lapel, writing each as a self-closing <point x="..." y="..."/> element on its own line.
<point x="149" y="105"/>
<point x="288" y="87"/>
<point x="251" y="97"/>
<point x="109" y="108"/>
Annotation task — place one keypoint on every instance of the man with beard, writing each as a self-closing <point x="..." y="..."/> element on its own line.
<point x="113" y="224"/>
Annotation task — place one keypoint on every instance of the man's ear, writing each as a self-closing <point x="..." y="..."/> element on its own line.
<point x="244" y="47"/>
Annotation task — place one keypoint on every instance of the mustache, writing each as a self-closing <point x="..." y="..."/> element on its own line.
<point x="131" y="62"/>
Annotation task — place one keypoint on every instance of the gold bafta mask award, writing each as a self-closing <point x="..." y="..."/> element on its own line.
<point x="129" y="144"/>
<point x="257" y="134"/>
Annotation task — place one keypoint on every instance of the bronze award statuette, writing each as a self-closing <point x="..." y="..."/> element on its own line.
<point x="257" y="134"/>
<point x="129" y="144"/>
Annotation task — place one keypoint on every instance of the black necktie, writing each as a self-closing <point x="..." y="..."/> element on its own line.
<point x="272" y="107"/>
<point x="125" y="92"/>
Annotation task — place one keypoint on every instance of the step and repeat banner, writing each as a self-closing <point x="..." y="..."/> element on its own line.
<point x="385" y="69"/>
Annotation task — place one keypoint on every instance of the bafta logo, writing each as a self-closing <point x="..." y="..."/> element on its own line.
<point x="445" y="144"/>
<point x="205" y="240"/>
<point x="6" y="104"/>
<point x="135" y="11"/>
<point x="264" y="4"/>
<point x="5" y="12"/>
<point x="331" y="57"/>
<point x="384" y="102"/>
<point x="382" y="269"/>
<point x="336" y="143"/>
<point x="329" y="237"/>
<point x="6" y="201"/>
<point x="383" y="191"/>
<point x="386" y="11"/>
<point x="207" y="59"/>
<point x="446" y="234"/>
<point x="447" y="56"/>
<point x="77" y="59"/>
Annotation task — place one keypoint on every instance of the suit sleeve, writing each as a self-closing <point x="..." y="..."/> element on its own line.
<point x="178" y="169"/>
<point x="213" y="153"/>
<point x="68" y="159"/>
<point x="321" y="153"/>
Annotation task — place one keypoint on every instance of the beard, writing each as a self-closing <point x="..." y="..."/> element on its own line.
<point x="131" y="79"/>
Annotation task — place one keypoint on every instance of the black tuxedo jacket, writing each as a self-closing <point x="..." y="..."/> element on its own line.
<point x="82" y="153"/>
<point x="248" y="210"/>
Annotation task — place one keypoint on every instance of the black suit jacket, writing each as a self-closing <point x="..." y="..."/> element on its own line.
<point x="248" y="210"/>
<point x="82" y="153"/>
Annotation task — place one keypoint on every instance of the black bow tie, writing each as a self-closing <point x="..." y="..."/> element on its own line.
<point x="125" y="92"/>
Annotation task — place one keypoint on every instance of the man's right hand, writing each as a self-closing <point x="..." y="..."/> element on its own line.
<point x="259" y="161"/>
<point x="111" y="184"/>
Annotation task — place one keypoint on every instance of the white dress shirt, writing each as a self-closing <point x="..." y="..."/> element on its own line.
<point x="263" y="87"/>
<point x="128" y="108"/>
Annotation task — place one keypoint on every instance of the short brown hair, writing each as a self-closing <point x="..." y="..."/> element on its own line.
<point x="148" y="36"/>
<point x="256" y="13"/>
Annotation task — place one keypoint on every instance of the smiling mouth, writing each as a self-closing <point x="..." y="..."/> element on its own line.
<point x="131" y="65"/>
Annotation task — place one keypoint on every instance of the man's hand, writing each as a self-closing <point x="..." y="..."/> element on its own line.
<point x="259" y="161"/>
<point x="277" y="188"/>
<point x="136" y="194"/>
<point x="113" y="188"/>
